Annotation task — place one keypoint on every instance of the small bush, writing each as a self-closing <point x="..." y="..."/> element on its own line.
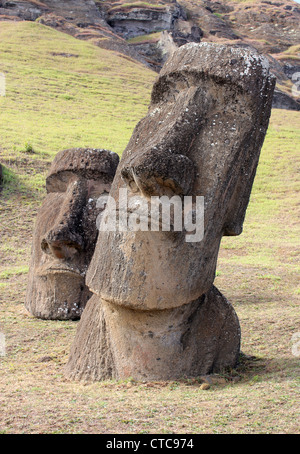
<point x="28" y="148"/>
<point x="8" y="176"/>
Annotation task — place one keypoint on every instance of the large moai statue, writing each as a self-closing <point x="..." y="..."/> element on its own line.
<point x="65" y="232"/>
<point x="155" y="313"/>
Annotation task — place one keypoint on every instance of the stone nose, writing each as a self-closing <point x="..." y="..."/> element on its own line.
<point x="66" y="238"/>
<point x="62" y="244"/>
<point x="158" y="174"/>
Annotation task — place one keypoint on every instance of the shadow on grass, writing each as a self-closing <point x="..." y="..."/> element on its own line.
<point x="250" y="371"/>
<point x="254" y="369"/>
<point x="20" y="180"/>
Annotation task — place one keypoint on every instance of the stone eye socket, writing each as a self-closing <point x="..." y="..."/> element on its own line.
<point x="128" y="176"/>
<point x="45" y="247"/>
<point x="59" y="182"/>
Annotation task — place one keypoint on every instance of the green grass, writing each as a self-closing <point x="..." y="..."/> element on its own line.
<point x="135" y="4"/>
<point x="143" y="38"/>
<point x="292" y="53"/>
<point x="14" y="272"/>
<point x="219" y="15"/>
<point x="52" y="102"/>
<point x="270" y="220"/>
<point x="8" y="177"/>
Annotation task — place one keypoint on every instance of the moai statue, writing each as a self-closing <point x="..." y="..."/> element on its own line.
<point x="65" y="232"/>
<point x="155" y="313"/>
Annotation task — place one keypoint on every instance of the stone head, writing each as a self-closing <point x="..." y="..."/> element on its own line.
<point x="65" y="232"/>
<point x="201" y="137"/>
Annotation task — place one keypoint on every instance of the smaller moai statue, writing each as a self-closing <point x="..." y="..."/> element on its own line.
<point x="65" y="232"/>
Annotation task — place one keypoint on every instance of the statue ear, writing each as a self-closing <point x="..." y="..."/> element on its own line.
<point x="235" y="216"/>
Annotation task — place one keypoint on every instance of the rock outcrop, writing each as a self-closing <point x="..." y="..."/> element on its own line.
<point x="169" y="18"/>
<point x="79" y="18"/>
<point x="283" y="101"/>
<point x="130" y="21"/>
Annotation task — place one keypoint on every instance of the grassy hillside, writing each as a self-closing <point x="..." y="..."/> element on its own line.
<point x="95" y="99"/>
<point x="64" y="92"/>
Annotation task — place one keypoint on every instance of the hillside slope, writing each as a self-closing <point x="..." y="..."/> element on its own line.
<point x="63" y="92"/>
<point x="149" y="31"/>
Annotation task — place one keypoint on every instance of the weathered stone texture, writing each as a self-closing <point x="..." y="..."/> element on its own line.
<point x="208" y="120"/>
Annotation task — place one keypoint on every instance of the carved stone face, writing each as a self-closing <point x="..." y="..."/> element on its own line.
<point x="202" y="137"/>
<point x="65" y="232"/>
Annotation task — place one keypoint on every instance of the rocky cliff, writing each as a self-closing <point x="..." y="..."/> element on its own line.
<point x="150" y="31"/>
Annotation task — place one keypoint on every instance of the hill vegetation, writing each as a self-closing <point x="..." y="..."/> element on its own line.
<point x="61" y="91"/>
<point x="144" y="30"/>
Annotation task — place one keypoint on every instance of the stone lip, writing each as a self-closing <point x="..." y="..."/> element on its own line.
<point x="155" y="314"/>
<point x="58" y="268"/>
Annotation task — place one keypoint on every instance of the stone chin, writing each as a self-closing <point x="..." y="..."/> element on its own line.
<point x="201" y="138"/>
<point x="57" y="294"/>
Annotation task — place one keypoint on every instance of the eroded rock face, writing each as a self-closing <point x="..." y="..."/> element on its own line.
<point x="202" y="137"/>
<point x="184" y="32"/>
<point x="65" y="232"/>
<point x="283" y="101"/>
<point x="21" y="9"/>
<point x="31" y="10"/>
<point x="130" y="22"/>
